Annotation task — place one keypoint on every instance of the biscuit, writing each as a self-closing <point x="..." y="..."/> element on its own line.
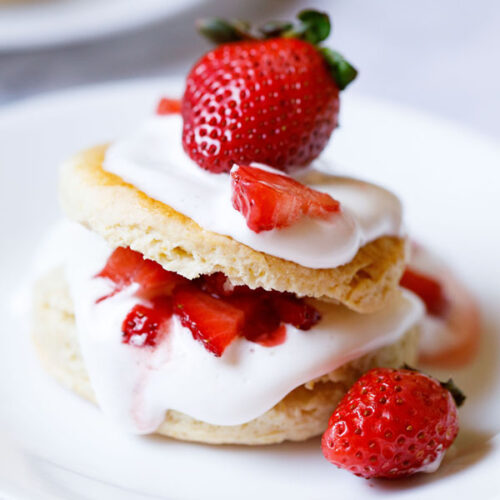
<point x="125" y="216"/>
<point x="302" y="414"/>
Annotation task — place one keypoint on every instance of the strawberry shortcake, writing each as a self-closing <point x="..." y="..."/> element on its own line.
<point x="221" y="285"/>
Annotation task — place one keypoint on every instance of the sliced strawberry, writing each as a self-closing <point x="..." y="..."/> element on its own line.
<point x="270" y="200"/>
<point x="168" y="106"/>
<point x="121" y="266"/>
<point x="452" y="332"/>
<point x="143" y="324"/>
<point x="272" y="338"/>
<point x="212" y="321"/>
<point x="214" y="310"/>
<point x="463" y="321"/>
<point x="427" y="288"/>
<point x="295" y="311"/>
<point x="261" y="318"/>
<point x="154" y="279"/>
<point x="219" y="285"/>
<point x="126" y="266"/>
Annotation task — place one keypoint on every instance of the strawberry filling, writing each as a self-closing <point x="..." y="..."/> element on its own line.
<point x="215" y="311"/>
<point x="126" y="266"/>
<point x="214" y="322"/>
<point x="269" y="200"/>
<point x="143" y="325"/>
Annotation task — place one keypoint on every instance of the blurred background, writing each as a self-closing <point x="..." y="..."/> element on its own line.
<point x="440" y="56"/>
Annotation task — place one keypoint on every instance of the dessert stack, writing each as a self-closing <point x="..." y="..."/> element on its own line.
<point x="220" y="286"/>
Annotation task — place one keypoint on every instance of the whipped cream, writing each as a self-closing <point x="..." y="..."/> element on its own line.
<point x="136" y="385"/>
<point x="153" y="160"/>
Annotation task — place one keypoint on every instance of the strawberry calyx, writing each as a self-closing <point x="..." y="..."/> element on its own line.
<point x="456" y="393"/>
<point x="312" y="26"/>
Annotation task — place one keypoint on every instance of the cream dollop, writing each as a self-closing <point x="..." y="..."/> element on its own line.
<point x="152" y="159"/>
<point x="136" y="385"/>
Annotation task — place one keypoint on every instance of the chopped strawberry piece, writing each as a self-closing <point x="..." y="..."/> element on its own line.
<point x="168" y="106"/>
<point x="261" y="318"/>
<point x="273" y="338"/>
<point x="121" y="266"/>
<point x="451" y="338"/>
<point x="219" y="285"/>
<point x="143" y="324"/>
<point x="126" y="266"/>
<point x="213" y="321"/>
<point x="269" y="200"/>
<point x="214" y="310"/>
<point x="295" y="311"/>
<point x="154" y="279"/>
<point x="427" y="288"/>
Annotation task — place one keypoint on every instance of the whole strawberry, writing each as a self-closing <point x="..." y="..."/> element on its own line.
<point x="393" y="423"/>
<point x="270" y="96"/>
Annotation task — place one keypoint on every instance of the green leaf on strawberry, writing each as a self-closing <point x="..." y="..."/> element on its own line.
<point x="313" y="26"/>
<point x="220" y="30"/>
<point x="342" y="71"/>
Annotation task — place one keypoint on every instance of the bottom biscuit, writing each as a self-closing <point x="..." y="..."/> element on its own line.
<point x="302" y="414"/>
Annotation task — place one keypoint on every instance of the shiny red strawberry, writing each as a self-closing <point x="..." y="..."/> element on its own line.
<point x="212" y="321"/>
<point x="270" y="96"/>
<point x="270" y="200"/>
<point x="427" y="288"/>
<point x="143" y="324"/>
<point x="126" y="266"/>
<point x="168" y="106"/>
<point x="393" y="423"/>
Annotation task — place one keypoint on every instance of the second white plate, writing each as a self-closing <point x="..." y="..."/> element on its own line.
<point x="39" y="23"/>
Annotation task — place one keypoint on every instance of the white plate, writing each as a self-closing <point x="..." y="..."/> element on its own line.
<point x="39" y="23"/>
<point x="55" y="445"/>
